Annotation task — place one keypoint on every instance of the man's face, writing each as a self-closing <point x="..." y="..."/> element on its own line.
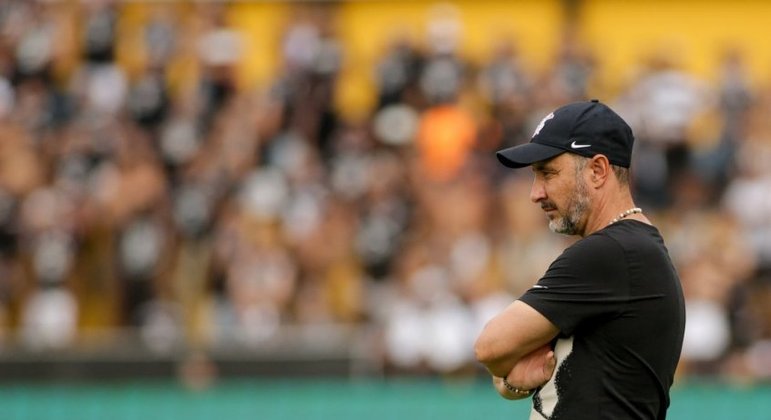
<point x="559" y="187"/>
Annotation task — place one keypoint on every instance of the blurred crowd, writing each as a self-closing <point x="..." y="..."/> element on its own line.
<point x="209" y="212"/>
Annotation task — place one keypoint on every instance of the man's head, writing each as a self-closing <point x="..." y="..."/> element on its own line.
<point x="567" y="185"/>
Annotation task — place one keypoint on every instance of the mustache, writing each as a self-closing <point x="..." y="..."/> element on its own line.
<point x="547" y="205"/>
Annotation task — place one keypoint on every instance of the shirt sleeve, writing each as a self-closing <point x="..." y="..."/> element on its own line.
<point x="586" y="284"/>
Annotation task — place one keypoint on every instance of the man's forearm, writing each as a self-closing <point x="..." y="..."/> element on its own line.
<point x="500" y="367"/>
<point x="510" y="335"/>
<point x="496" y="354"/>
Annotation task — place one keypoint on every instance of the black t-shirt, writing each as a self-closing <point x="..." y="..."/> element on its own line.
<point x="617" y="300"/>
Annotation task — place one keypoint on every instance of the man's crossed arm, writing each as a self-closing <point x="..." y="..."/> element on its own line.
<point x="514" y="346"/>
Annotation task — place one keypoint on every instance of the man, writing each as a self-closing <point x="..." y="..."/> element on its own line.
<point x="599" y="335"/>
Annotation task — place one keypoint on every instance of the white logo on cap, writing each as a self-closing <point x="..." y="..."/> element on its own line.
<point x="579" y="146"/>
<point x="541" y="124"/>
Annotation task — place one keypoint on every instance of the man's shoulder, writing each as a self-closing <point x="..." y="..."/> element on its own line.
<point x="610" y="247"/>
<point x="592" y="254"/>
<point x="596" y="245"/>
<point x="635" y="236"/>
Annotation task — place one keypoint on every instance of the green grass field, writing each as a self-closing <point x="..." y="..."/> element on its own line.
<point x="289" y="399"/>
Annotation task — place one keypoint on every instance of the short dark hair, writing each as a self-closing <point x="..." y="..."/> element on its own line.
<point x="622" y="174"/>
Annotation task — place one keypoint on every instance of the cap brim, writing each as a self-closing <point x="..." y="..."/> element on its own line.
<point x="527" y="154"/>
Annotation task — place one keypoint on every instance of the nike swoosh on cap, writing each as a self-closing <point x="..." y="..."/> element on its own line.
<point x="539" y="286"/>
<point x="579" y="146"/>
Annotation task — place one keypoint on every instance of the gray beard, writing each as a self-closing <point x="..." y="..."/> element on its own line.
<point x="569" y="223"/>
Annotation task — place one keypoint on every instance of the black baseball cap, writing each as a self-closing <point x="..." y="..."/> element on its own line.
<point x="585" y="128"/>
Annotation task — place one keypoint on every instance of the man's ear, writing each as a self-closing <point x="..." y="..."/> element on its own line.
<point x="600" y="170"/>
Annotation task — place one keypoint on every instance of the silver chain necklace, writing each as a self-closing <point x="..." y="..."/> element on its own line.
<point x="624" y="214"/>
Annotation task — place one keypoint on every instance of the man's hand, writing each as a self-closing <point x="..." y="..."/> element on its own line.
<point x="533" y="370"/>
<point x="530" y="372"/>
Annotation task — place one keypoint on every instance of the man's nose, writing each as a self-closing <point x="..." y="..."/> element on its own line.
<point x="537" y="192"/>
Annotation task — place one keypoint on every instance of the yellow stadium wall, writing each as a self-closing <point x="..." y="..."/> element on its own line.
<point x="619" y="32"/>
<point x="696" y="32"/>
<point x="368" y="27"/>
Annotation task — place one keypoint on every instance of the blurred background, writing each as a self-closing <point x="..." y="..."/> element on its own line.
<point x="275" y="209"/>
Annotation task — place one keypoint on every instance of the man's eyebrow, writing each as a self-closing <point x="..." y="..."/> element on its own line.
<point x="542" y="167"/>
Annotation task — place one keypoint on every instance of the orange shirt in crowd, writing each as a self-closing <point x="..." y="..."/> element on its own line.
<point x="445" y="138"/>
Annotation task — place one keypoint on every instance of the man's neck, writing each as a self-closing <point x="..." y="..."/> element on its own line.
<point x="605" y="210"/>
